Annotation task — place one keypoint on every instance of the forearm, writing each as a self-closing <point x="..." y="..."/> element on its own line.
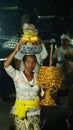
<point x="9" y="59"/>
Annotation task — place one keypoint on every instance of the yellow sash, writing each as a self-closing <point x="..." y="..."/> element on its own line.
<point x="22" y="106"/>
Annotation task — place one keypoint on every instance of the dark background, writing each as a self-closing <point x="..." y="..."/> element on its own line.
<point x="59" y="20"/>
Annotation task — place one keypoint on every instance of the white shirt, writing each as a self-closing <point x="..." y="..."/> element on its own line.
<point x="59" y="55"/>
<point x="23" y="89"/>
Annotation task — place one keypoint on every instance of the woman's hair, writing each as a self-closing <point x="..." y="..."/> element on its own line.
<point x="26" y="56"/>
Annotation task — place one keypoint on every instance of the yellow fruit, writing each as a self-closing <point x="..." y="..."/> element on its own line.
<point x="34" y="38"/>
<point x="25" y="38"/>
<point x="29" y="43"/>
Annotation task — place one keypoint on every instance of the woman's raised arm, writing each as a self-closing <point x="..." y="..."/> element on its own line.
<point x="11" y="56"/>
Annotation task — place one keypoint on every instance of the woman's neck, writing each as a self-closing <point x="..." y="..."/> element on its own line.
<point x="29" y="75"/>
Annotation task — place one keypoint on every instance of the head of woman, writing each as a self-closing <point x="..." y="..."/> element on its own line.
<point x="29" y="62"/>
<point x="65" y="43"/>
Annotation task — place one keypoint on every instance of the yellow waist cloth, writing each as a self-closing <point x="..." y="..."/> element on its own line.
<point x="22" y="106"/>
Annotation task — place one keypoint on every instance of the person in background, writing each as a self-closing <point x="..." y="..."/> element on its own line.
<point x="40" y="57"/>
<point x="26" y="109"/>
<point x="59" y="60"/>
<point x="61" y="51"/>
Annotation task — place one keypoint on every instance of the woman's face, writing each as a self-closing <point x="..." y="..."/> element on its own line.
<point x="65" y="43"/>
<point x="30" y="63"/>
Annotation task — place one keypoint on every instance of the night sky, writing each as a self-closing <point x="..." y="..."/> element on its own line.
<point x="60" y="7"/>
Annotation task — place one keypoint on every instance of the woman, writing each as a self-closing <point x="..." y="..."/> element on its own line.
<point x="26" y="109"/>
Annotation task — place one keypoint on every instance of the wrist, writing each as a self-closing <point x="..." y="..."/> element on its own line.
<point x="15" y="51"/>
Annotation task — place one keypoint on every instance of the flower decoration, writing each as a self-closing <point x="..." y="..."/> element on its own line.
<point x="50" y="79"/>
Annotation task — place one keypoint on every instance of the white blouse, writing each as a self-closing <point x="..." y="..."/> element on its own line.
<point x="24" y="91"/>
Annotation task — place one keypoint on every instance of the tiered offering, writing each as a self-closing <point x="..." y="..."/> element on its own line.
<point x="30" y="41"/>
<point x="50" y="79"/>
